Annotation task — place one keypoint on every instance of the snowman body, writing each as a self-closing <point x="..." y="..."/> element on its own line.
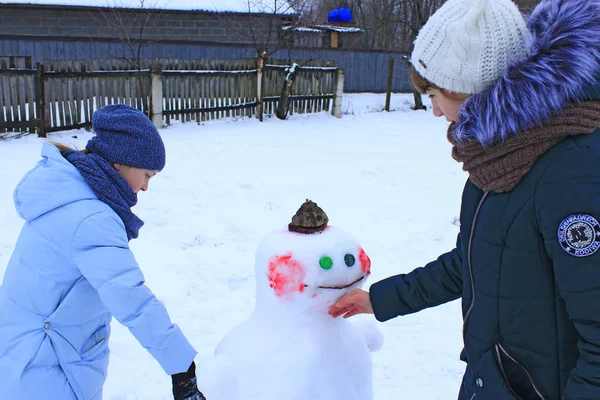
<point x="290" y="347"/>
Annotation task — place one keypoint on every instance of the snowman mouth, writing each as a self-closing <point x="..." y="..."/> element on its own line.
<point x="343" y="287"/>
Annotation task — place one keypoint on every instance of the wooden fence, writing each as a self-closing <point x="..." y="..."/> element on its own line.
<point x="20" y="87"/>
<point x="62" y="95"/>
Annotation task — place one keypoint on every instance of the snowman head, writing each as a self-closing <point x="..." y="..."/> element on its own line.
<point x="308" y="270"/>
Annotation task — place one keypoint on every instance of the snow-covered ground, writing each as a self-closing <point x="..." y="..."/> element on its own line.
<point x="387" y="178"/>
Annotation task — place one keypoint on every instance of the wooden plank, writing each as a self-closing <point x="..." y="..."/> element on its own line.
<point x="177" y="98"/>
<point x="196" y="97"/>
<point x="218" y="82"/>
<point x="78" y="97"/>
<point x="61" y="96"/>
<point x="50" y="105"/>
<point x="229" y="91"/>
<point x="134" y="93"/>
<point x="126" y="91"/>
<point x="215" y="90"/>
<point x="115" y="99"/>
<point x="69" y="111"/>
<point x="236" y="88"/>
<point x="202" y="80"/>
<point x="211" y="93"/>
<point x="72" y="84"/>
<point x="243" y="80"/>
<point x="171" y="82"/>
<point x="166" y="93"/>
<point x="8" y="98"/>
<point x="94" y="89"/>
<point x="101" y="91"/>
<point x="183" y="98"/>
<point x="82" y="95"/>
<point x="315" y="90"/>
<point x="187" y="102"/>
<point x="57" y="85"/>
<point x="3" y="102"/>
<point x="170" y="99"/>
<point x="174" y="105"/>
<point x="33" y="99"/>
<point x="221" y="94"/>
<point x="104" y="85"/>
<point x="85" y="99"/>
<point x="22" y="100"/>
<point x="74" y="93"/>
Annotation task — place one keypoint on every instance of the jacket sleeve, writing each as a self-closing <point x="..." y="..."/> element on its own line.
<point x="101" y="251"/>
<point x="438" y="282"/>
<point x="570" y="192"/>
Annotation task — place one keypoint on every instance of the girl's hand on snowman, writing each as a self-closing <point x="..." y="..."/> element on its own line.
<point x="185" y="386"/>
<point x="355" y="302"/>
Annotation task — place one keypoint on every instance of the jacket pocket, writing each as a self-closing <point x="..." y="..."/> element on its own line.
<point x="518" y="377"/>
<point x="489" y="384"/>
<point x="97" y="341"/>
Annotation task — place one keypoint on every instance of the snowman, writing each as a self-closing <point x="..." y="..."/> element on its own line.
<point x="290" y="348"/>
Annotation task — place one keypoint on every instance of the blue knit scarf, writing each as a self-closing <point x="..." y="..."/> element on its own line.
<point x="109" y="186"/>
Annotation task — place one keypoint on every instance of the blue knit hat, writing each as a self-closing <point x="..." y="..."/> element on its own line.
<point x="125" y="135"/>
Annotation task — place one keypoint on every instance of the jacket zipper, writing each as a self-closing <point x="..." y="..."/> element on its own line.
<point x="531" y="380"/>
<point x="468" y="313"/>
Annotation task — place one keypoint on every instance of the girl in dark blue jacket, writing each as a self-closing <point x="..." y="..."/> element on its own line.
<point x="522" y="99"/>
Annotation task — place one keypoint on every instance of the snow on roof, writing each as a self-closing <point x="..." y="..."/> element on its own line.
<point x="302" y="29"/>
<point x="239" y="6"/>
<point x="321" y="28"/>
<point x="346" y="29"/>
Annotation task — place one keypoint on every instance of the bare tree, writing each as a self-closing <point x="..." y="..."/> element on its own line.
<point x="390" y="25"/>
<point x="269" y="25"/>
<point x="134" y="27"/>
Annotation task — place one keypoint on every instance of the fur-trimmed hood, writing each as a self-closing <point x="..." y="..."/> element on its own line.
<point x="563" y="66"/>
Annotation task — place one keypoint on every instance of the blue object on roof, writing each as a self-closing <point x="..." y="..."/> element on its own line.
<point x="340" y="15"/>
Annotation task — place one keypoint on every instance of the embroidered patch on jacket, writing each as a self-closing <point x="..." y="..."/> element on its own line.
<point x="579" y="235"/>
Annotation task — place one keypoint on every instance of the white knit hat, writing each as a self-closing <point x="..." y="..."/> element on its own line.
<point x="467" y="44"/>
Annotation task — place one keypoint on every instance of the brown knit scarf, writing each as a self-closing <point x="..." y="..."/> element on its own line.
<point x="501" y="167"/>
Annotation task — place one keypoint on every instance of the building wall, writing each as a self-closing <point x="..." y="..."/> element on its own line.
<point x="364" y="71"/>
<point x="83" y="22"/>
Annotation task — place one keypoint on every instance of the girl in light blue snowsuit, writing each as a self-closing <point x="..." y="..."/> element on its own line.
<point x="72" y="269"/>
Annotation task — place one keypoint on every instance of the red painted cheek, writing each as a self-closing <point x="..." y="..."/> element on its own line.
<point x="365" y="262"/>
<point x="286" y="275"/>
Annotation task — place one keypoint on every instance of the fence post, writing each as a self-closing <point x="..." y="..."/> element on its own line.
<point x="156" y="96"/>
<point x="40" y="100"/>
<point x="388" y="92"/>
<point x="336" y="109"/>
<point x="259" y="87"/>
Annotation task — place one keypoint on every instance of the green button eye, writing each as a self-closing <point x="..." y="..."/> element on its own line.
<point x="349" y="259"/>
<point x="326" y="262"/>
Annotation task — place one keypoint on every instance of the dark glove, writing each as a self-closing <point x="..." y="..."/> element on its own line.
<point x="185" y="386"/>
